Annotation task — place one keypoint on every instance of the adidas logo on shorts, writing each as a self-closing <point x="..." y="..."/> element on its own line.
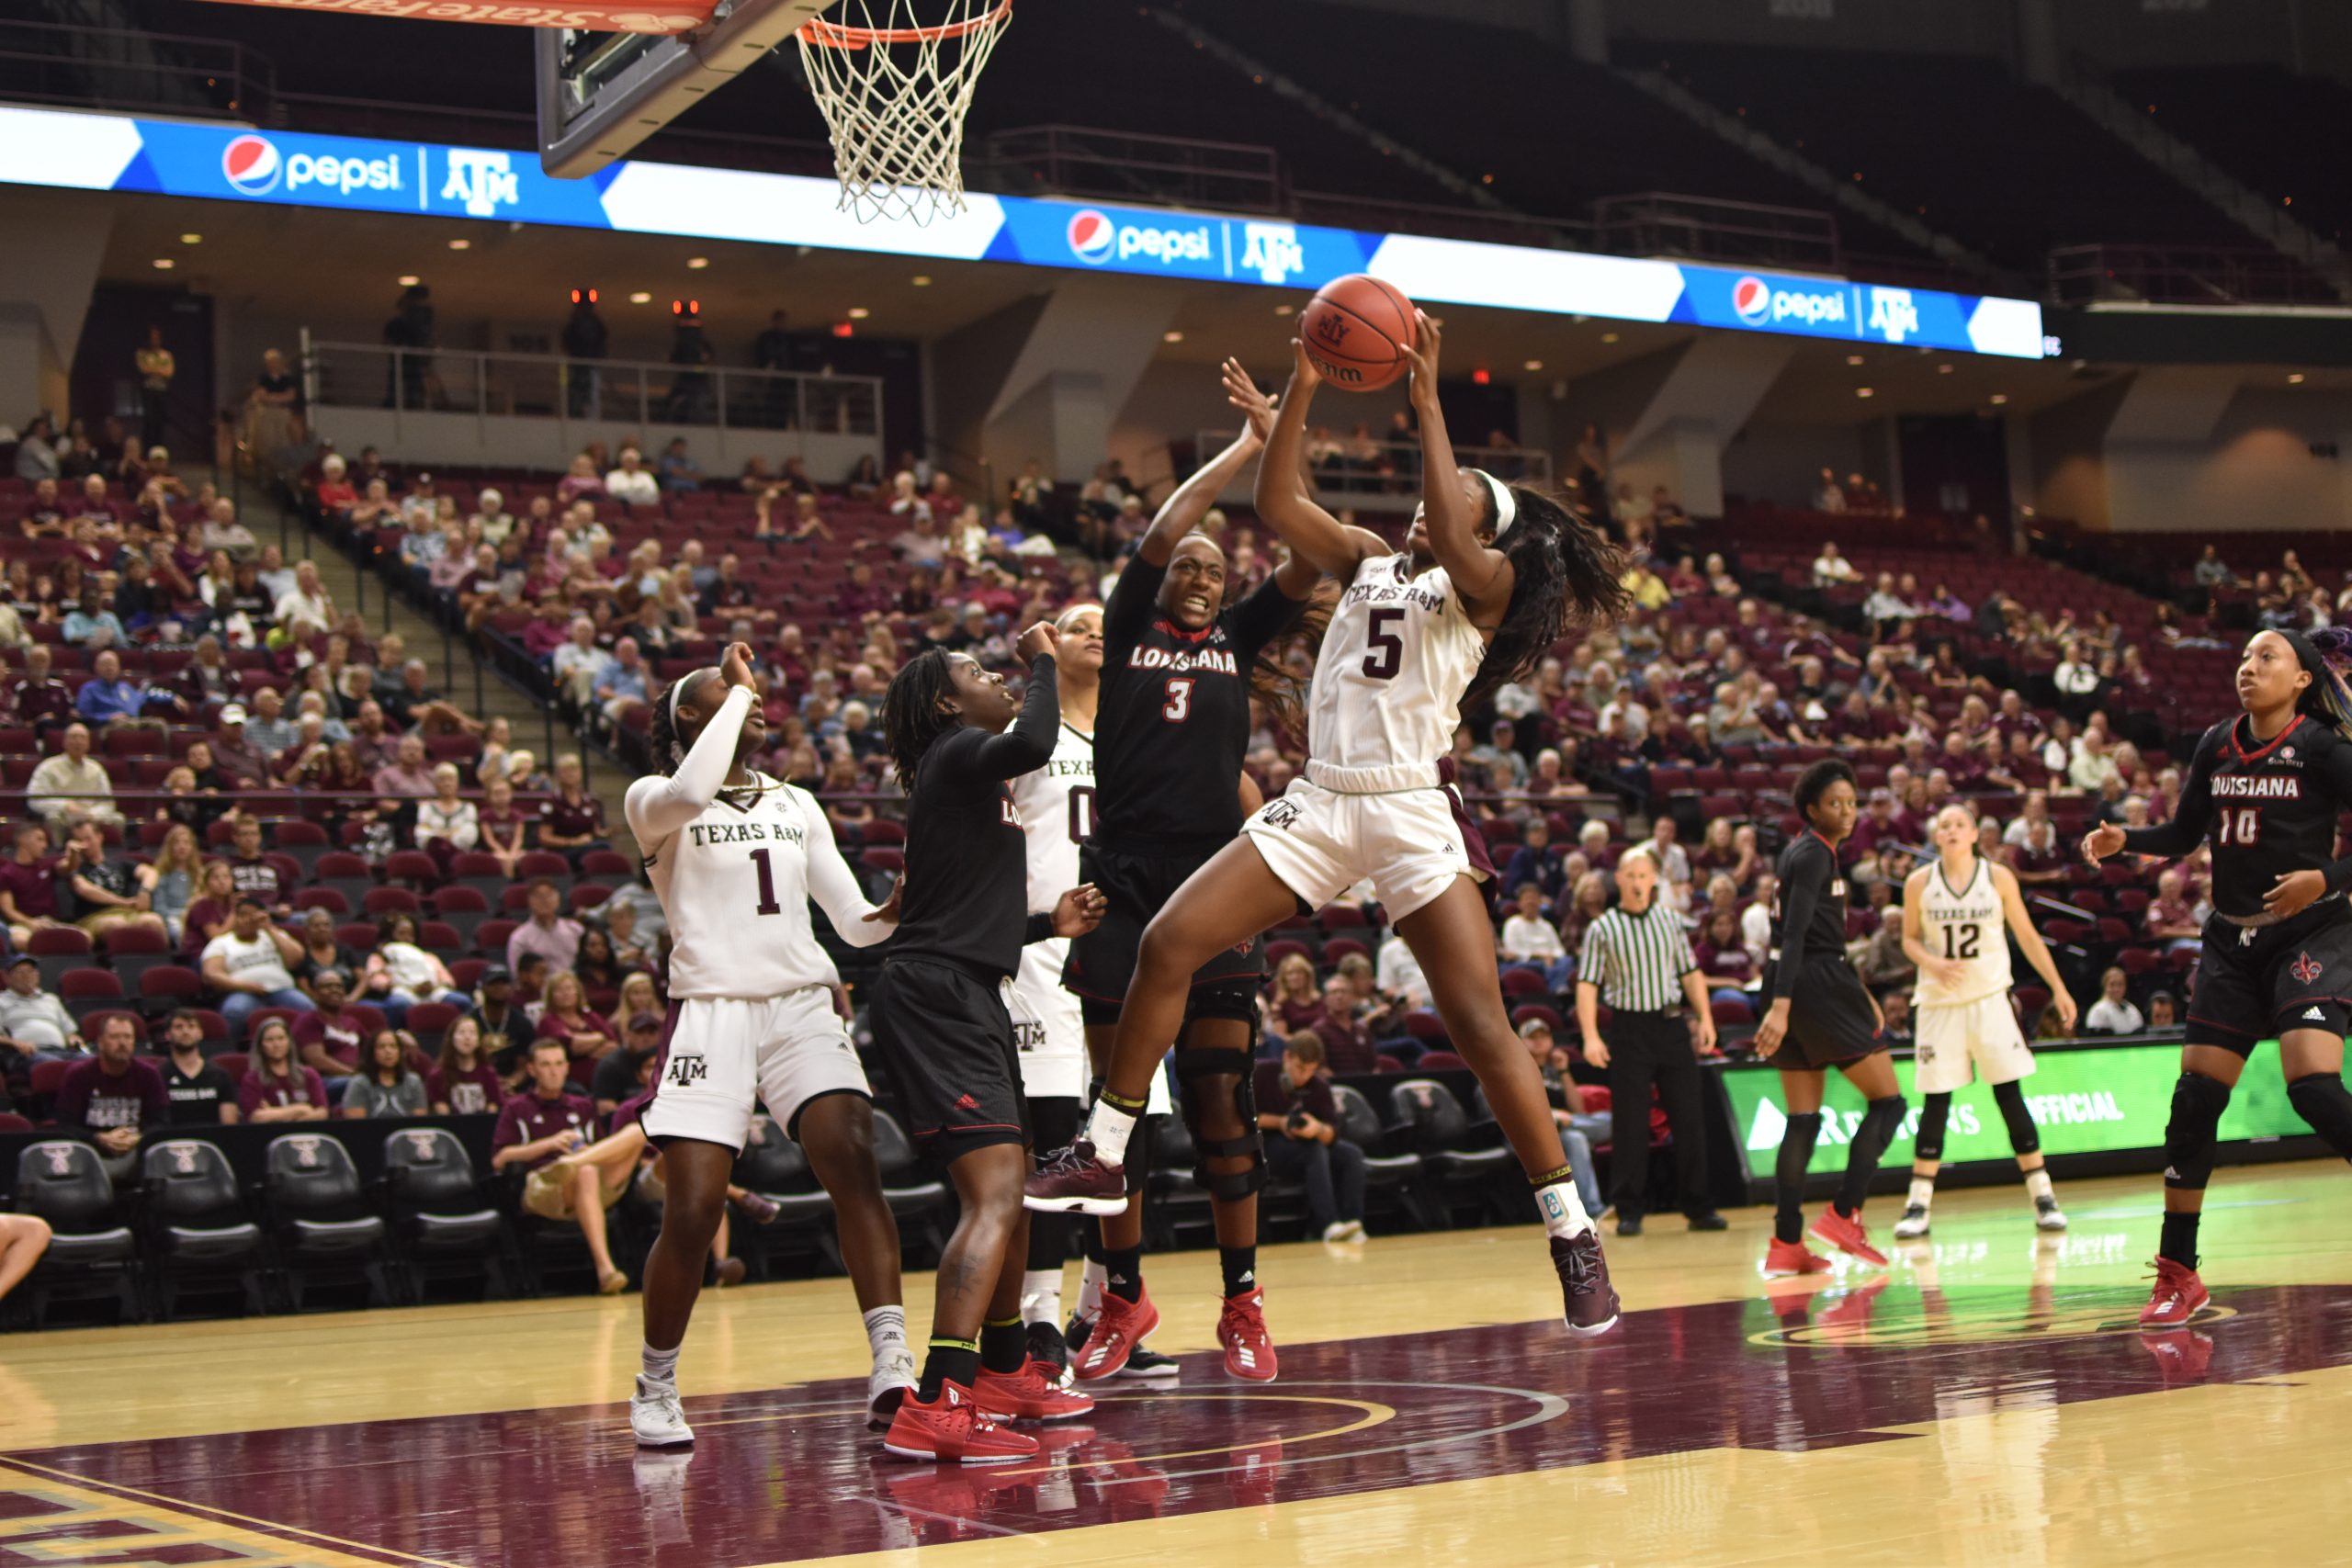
<point x="2316" y="1014"/>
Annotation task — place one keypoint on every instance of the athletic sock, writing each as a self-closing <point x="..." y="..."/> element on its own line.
<point x="1240" y="1267"/>
<point x="1108" y="1129"/>
<point x="1041" y="1295"/>
<point x="1090" y="1285"/>
<point x="886" y="1331"/>
<point x="1122" y="1273"/>
<point x="1557" y="1200"/>
<point x="2178" y="1241"/>
<point x="1003" y="1347"/>
<point x="661" y="1366"/>
<point x="948" y="1360"/>
<point x="1923" y="1191"/>
<point x="2037" y="1186"/>
<point x="1789" y="1168"/>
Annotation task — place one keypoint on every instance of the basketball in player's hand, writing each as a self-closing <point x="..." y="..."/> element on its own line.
<point x="1356" y="331"/>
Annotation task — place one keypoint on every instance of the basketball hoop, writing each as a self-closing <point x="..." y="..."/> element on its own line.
<point x="893" y="90"/>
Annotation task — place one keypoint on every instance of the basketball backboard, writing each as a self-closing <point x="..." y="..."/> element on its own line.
<point x="602" y="93"/>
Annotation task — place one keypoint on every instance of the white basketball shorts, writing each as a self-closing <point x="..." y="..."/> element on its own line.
<point x="1954" y="1041"/>
<point x="1322" y="843"/>
<point x="1046" y="1024"/>
<point x="725" y="1053"/>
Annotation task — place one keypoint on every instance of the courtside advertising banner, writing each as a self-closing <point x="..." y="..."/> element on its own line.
<point x="2094" y="1101"/>
<point x="231" y="162"/>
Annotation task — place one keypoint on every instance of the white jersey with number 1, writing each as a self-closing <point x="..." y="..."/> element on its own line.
<point x="1056" y="809"/>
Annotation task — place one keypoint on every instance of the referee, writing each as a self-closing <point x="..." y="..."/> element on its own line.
<point x="1638" y="960"/>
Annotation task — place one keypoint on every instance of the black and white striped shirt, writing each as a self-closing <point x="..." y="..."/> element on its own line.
<point x="1638" y="961"/>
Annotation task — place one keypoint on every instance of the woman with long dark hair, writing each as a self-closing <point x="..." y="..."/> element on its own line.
<point x="2266" y="786"/>
<point x="1492" y="576"/>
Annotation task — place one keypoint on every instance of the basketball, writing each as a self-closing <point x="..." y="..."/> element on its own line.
<point x="1357" y="329"/>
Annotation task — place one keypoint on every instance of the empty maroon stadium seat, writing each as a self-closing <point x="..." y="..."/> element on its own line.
<point x="412" y="866"/>
<point x="170" y="984"/>
<point x="57" y="942"/>
<point x="491" y="936"/>
<point x="384" y="900"/>
<point x="1426" y="1026"/>
<point x="427" y="1020"/>
<point x="1341" y="947"/>
<point x="1520" y="981"/>
<point x="1551" y="1018"/>
<point x="327" y="898"/>
<point x="1439" y="1062"/>
<point x="357" y="935"/>
<point x="1387" y="1064"/>
<point x="469" y="864"/>
<point x="1276" y="952"/>
<point x="543" y="863"/>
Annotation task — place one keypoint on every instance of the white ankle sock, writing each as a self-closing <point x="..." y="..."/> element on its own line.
<point x="1041" y="1296"/>
<point x="1923" y="1190"/>
<point x="660" y="1366"/>
<point x="1562" y="1210"/>
<point x="886" y="1330"/>
<point x="1107" y="1130"/>
<point x="1091" y="1281"/>
<point x="2037" y="1185"/>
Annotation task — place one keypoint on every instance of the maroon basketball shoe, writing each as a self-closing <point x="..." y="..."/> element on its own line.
<point x="950" y="1429"/>
<point x="1591" y="1308"/>
<point x="1072" y="1181"/>
<point x="1032" y="1394"/>
<point x="1119" y="1327"/>
<point x="1846" y="1234"/>
<point x="2179" y="1293"/>
<point x="1241" y="1329"/>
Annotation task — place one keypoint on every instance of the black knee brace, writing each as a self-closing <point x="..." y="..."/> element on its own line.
<point x="1195" y="1066"/>
<point x="1235" y="1001"/>
<point x="1881" y="1122"/>
<point x="2198" y="1103"/>
<point x="1928" y="1142"/>
<point x="2025" y="1138"/>
<point x="2322" y="1100"/>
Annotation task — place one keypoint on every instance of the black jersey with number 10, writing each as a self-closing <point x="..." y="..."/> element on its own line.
<point x="2270" y="807"/>
<point x="1174" y="715"/>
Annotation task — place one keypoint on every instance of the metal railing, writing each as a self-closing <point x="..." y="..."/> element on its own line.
<point x="1116" y="165"/>
<point x="2184" y="275"/>
<point x="1393" y="467"/>
<point x="1696" y="227"/>
<point x="640" y="393"/>
<point x="56" y="62"/>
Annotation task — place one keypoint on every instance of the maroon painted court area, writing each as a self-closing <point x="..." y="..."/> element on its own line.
<point x="790" y="1475"/>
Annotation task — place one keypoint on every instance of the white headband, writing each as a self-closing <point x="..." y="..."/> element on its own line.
<point x="1506" y="503"/>
<point x="677" y="689"/>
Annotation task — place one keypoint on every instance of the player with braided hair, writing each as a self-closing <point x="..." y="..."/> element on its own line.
<point x="735" y="857"/>
<point x="2265" y="789"/>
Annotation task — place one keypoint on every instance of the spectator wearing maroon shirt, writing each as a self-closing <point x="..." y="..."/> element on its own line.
<point x="2171" y="918"/>
<point x="2041" y="859"/>
<point x="1960" y="764"/>
<point x="1300" y="1116"/>
<point x="572" y="821"/>
<point x="462" y="1082"/>
<point x="28" y="884"/>
<point x="277" y="1087"/>
<point x="567" y="1016"/>
<point x="328" y="1039"/>
<point x="235" y="757"/>
<point x="38" y="697"/>
<point x="1346" y="1043"/>
<point x="114" y="1097"/>
<point x="861" y="596"/>
<point x="535" y="1131"/>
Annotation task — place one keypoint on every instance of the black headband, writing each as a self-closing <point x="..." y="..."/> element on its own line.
<point x="2307" y="655"/>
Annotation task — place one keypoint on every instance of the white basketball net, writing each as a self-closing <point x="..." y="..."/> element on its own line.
<point x="895" y="85"/>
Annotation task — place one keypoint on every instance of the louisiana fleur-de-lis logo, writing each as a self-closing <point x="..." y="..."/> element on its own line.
<point x="2306" y="969"/>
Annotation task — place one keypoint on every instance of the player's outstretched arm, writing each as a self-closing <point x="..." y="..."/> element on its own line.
<point x="658" y="807"/>
<point x="1312" y="535"/>
<point x="2185" y="831"/>
<point x="2030" y="943"/>
<point x="1481" y="574"/>
<point x="834" y="887"/>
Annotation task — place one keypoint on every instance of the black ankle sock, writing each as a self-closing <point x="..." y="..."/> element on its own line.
<point x="950" y="1360"/>
<point x="1241" y="1266"/>
<point x="1004" y="1347"/>
<point x="1122" y="1273"/>
<point x="2179" y="1239"/>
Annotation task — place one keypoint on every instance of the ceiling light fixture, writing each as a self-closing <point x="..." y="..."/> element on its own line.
<point x="858" y="312"/>
<point x="191" y="239"/>
<point x="695" y="264"/>
<point x="1172" y="335"/>
<point x="922" y="280"/>
<point x="1998" y="398"/>
<point x="640" y="297"/>
<point x="410" y="280"/>
<point x="461" y="244"/>
<point x="165" y="264"/>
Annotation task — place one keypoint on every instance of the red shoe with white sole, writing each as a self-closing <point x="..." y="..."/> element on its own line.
<point x="1032" y="1394"/>
<point x="1846" y="1234"/>
<point x="1241" y="1329"/>
<point x="1119" y="1327"/>
<point x="1787" y="1260"/>
<point x="951" y="1429"/>
<point x="2176" y="1298"/>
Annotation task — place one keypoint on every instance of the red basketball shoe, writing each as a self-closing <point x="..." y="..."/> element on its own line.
<point x="1032" y="1394"/>
<point x="1241" y="1329"/>
<point x="1846" y="1234"/>
<point x="1786" y="1259"/>
<point x="2179" y="1293"/>
<point x="1119" y="1327"/>
<point x="950" y="1429"/>
<point x="1072" y="1181"/>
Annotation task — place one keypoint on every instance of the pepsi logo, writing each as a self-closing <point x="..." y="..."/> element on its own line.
<point x="1091" y="235"/>
<point x="251" y="165"/>
<point x="1751" y="299"/>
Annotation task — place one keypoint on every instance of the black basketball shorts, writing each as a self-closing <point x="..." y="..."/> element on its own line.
<point x="948" y="1041"/>
<point x="2257" y="984"/>
<point x="1831" y="1022"/>
<point x="1136" y="887"/>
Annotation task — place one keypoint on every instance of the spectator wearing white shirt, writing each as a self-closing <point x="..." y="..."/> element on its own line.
<point x="2113" y="1012"/>
<point x="448" y="819"/>
<point x="1828" y="497"/>
<point x="579" y="663"/>
<point x="306" y="610"/>
<point x="72" y="784"/>
<point x="1398" y="974"/>
<point x="1756" y="920"/>
<point x="34" y="1024"/>
<point x="1830" y="568"/>
<point x="633" y="482"/>
<point x="1527" y="936"/>
<point x="2091" y="766"/>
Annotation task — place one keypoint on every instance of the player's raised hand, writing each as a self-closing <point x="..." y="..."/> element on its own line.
<point x="1257" y="408"/>
<point x="1080" y="910"/>
<point x="1422" y="357"/>
<point x="735" y="667"/>
<point x="2101" y="842"/>
<point x="1302" y="373"/>
<point x="888" y="914"/>
<point x="1037" y="641"/>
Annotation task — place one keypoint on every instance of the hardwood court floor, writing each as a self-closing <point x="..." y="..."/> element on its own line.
<point x="1990" y="1401"/>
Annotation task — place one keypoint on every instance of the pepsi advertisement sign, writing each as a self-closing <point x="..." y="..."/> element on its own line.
<point x="235" y="162"/>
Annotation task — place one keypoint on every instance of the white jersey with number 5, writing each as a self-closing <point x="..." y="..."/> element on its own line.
<point x="1389" y="685"/>
<point x="1967" y="925"/>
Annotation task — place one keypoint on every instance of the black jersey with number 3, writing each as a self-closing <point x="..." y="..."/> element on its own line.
<point x="2269" y="806"/>
<point x="1174" y="715"/>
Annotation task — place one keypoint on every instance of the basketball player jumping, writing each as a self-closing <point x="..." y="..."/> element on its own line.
<point x="1492" y="576"/>
<point x="2267" y="786"/>
<point x="735" y="856"/>
<point x="1820" y="1016"/>
<point x="1179" y="668"/>
<point x="1953" y="912"/>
